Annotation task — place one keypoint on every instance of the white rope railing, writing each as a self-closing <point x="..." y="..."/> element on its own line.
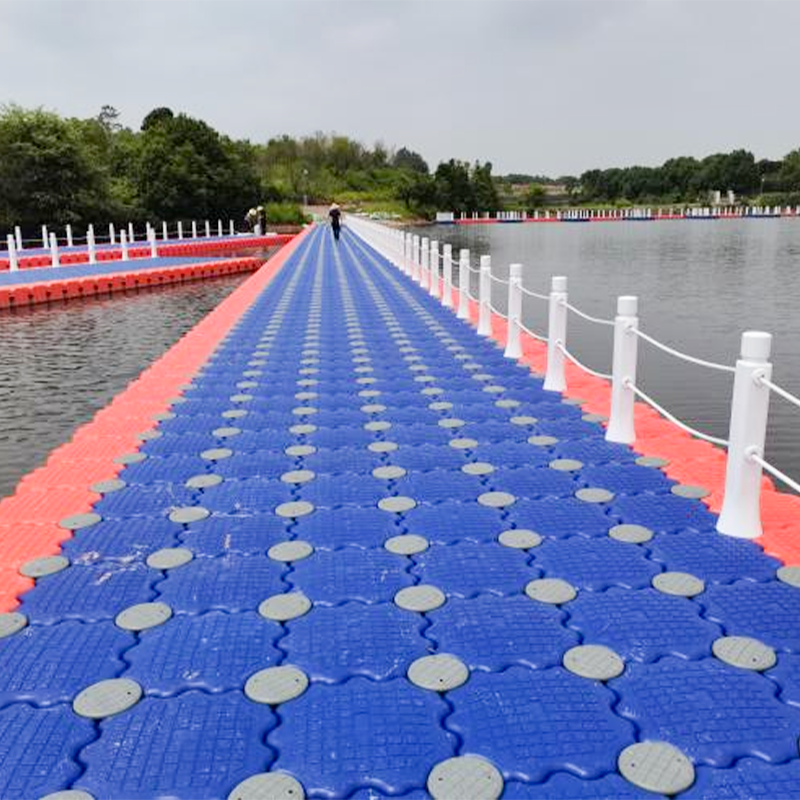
<point x="534" y="294"/>
<point x="497" y="311"/>
<point x="588" y="317"/>
<point x="672" y="418"/>
<point x="762" y="379"/>
<point x="501" y="281"/>
<point x="535" y="335"/>
<point x="755" y="456"/>
<point x="678" y="354"/>
<point x="577" y="363"/>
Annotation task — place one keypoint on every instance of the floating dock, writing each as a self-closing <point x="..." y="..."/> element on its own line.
<point x="333" y="544"/>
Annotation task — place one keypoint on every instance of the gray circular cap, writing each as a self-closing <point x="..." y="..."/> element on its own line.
<point x="294" y="508"/>
<point x="523" y="420"/>
<point x="40" y="567"/>
<point x="241" y="398"/>
<point x="465" y="777"/>
<point x="109" y="486"/>
<point x="744" y="652"/>
<point x="382" y="447"/>
<point x="566" y="464"/>
<point x="11" y="622"/>
<point x="422" y="598"/>
<point x="551" y="590"/>
<point x="573" y="401"/>
<point x="380" y="425"/>
<point x="594" y="495"/>
<point x="143" y="616"/>
<point x="298" y="476"/>
<point x="494" y="389"/>
<point x="407" y="544"/>
<point x="234" y="413"/>
<point x="652" y="461"/>
<point x="130" y="458"/>
<point x="276" y="685"/>
<point x="305" y="428"/>
<point x="631" y="534"/>
<point x="463" y="444"/>
<point x="290" y="551"/>
<point x="148" y="436"/>
<point x="78" y="521"/>
<point x="397" y="505"/>
<point x="432" y="391"/>
<point x="519" y="539"/>
<point x="542" y="441"/>
<point x="656" y="767"/>
<point x="366" y="381"/>
<point x="507" y="403"/>
<point x="440" y="405"/>
<point x="169" y="558"/>
<point x="451" y="422"/>
<point x="307" y="382"/>
<point x="482" y="376"/>
<point x="305" y="411"/>
<point x="594" y="418"/>
<point x="497" y="499"/>
<point x="680" y="584"/>
<point x="691" y="492"/>
<point x="216" y="454"/>
<point x="204" y="481"/>
<point x="189" y="514"/>
<point x="367" y="393"/>
<point x="300" y="450"/>
<point x="226" y="432"/>
<point x="594" y="661"/>
<point x="789" y="575"/>
<point x="107" y="698"/>
<point x="388" y="473"/>
<point x="69" y="794"/>
<point x="439" y="673"/>
<point x="373" y="408"/>
<point x="283" y="607"/>
<point x="268" y="786"/>
<point x="162" y="416"/>
<point x="306" y="396"/>
<point x="477" y="468"/>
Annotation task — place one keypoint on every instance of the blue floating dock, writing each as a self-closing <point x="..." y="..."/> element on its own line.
<point x="340" y="369"/>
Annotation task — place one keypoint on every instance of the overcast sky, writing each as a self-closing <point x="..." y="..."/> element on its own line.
<point x="536" y="86"/>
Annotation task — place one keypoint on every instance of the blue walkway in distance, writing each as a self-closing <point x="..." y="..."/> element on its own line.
<point x="349" y="394"/>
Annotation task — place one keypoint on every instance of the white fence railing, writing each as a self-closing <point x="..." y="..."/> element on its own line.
<point x="123" y="237"/>
<point x="740" y="515"/>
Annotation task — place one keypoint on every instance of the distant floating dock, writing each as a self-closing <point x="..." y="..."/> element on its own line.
<point x="334" y="544"/>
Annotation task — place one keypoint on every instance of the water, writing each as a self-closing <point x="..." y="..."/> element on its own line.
<point x="700" y="285"/>
<point x="61" y="364"/>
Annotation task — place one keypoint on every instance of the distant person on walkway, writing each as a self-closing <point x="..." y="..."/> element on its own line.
<point x="336" y="223"/>
<point x="262" y="221"/>
<point x="250" y="218"/>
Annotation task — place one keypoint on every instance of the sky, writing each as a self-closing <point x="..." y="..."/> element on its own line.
<point x="535" y="86"/>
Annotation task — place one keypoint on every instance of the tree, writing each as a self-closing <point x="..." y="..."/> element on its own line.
<point x="483" y="188"/>
<point x="409" y="160"/>
<point x="156" y="117"/>
<point x="109" y="118"/>
<point x="534" y="197"/>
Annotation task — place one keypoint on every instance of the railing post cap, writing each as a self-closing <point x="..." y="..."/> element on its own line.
<point x="448" y="248"/>
<point x="559" y="283"/>
<point x="464" y="252"/>
<point x="515" y="271"/>
<point x="756" y="345"/>
<point x="627" y="305"/>
<point x="486" y="261"/>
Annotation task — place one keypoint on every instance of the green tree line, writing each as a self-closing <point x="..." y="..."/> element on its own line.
<point x="59" y="170"/>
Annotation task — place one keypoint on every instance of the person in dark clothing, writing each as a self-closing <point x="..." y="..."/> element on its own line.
<point x="336" y="223"/>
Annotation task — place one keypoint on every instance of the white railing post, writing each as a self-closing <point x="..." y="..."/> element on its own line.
<point x="415" y="258"/>
<point x="112" y="235"/>
<point x="513" y="346"/>
<point x="219" y="228"/>
<point x="463" y="284"/>
<point x="69" y="235"/>
<point x="123" y="244"/>
<point x="153" y="246"/>
<point x="18" y="234"/>
<point x="485" y="297"/>
<point x="194" y="229"/>
<point x="90" y="245"/>
<point x="232" y="228"/>
<point x="741" y="505"/>
<point x="54" y="260"/>
<point x="208" y="229"/>
<point x="45" y="237"/>
<point x="447" y="277"/>
<point x="621" y="427"/>
<point x="434" y="277"/>
<point x="555" y="379"/>
<point x="164" y="231"/>
<point x="131" y="236"/>
<point x="424" y="264"/>
<point x="13" y="265"/>
<point x="180" y="229"/>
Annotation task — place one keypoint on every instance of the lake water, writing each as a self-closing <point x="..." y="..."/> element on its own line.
<point x="700" y="285"/>
<point x="62" y="363"/>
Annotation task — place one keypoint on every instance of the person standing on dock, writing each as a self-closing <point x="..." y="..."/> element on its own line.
<point x="262" y="221"/>
<point x="336" y="224"/>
